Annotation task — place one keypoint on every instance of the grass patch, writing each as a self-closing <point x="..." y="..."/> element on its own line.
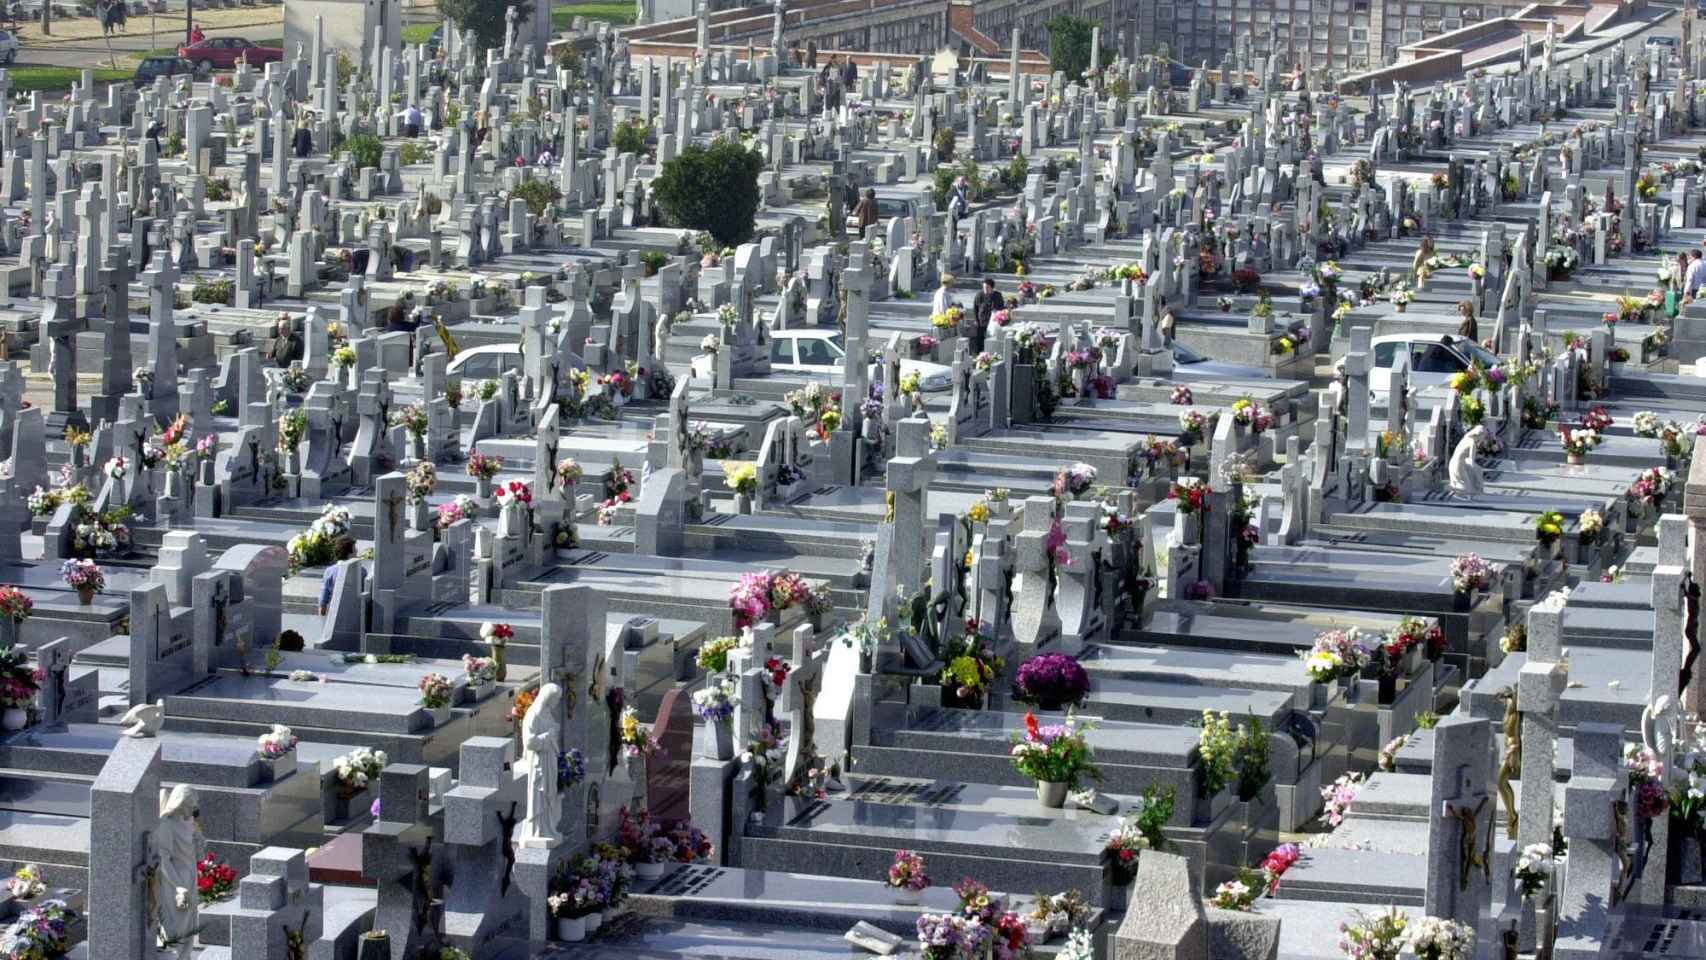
<point x="418" y="33"/>
<point x="26" y="79"/>
<point x="614" y="11"/>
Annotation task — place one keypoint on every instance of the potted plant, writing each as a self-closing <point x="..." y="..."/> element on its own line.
<point x="84" y="577"/>
<point x="1056" y="756"/>
<point x="1377" y="937"/>
<point x="482" y="674"/>
<point x="907" y="877"/>
<point x="1141" y="830"/>
<point x="26" y="883"/>
<point x="1436" y="938"/>
<point x="18" y="686"/>
<point x="571" y="906"/>
<point x="715" y="704"/>
<point x="741" y="476"/>
<point x="419" y="483"/>
<point x="643" y="839"/>
<point x="353" y="773"/>
<point x="1051" y="681"/>
<point x="435" y="696"/>
<point x="1549" y="527"/>
<point x="1470" y="573"/>
<point x="483" y="468"/>
<point x="497" y="636"/>
<point x="1577" y="442"/>
<point x="515" y="500"/>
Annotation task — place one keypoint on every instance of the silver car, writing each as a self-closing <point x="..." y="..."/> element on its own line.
<point x="822" y="351"/>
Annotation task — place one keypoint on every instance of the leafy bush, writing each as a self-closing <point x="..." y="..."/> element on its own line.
<point x="1069" y="41"/>
<point x="413" y="152"/>
<point x="484" y="17"/>
<point x="538" y="193"/>
<point x="364" y="150"/>
<point x="212" y="291"/>
<point x="654" y="261"/>
<point x="713" y="188"/>
<point x="630" y="137"/>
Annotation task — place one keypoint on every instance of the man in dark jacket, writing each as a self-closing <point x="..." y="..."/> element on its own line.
<point x="983" y="307"/>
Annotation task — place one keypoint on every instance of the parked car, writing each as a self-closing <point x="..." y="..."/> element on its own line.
<point x="152" y="67"/>
<point x="9" y="47"/>
<point x="222" y="53"/>
<point x="490" y="362"/>
<point x="821" y="351"/>
<point x="1433" y="359"/>
<point x="435" y="41"/>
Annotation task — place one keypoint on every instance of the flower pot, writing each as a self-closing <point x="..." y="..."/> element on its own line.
<point x="1317" y="696"/>
<point x="440" y="715"/>
<point x="743" y="504"/>
<point x="375" y="948"/>
<point x="1051" y="793"/>
<point x="292" y="464"/>
<point x="571" y="929"/>
<point x="483" y="489"/>
<point x="510" y="520"/>
<point x="417" y="447"/>
<point x="907" y="896"/>
<point x="420" y="515"/>
<point x="1388" y="688"/>
<point x="1399" y="307"/>
<point x="648" y="871"/>
<point x="174" y="483"/>
<point x="85" y="595"/>
<point x="14" y="718"/>
<point x="1575" y="459"/>
<point x="594" y="920"/>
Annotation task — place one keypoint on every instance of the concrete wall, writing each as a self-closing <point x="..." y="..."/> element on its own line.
<point x="349" y="26"/>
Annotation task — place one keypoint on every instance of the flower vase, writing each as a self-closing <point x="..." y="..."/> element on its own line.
<point x="1185" y="526"/>
<point x="440" y="715"/>
<point x="1051" y="793"/>
<point x="569" y="930"/>
<point x="509" y="520"/>
<point x="14" y="718"/>
<point x="594" y="921"/>
<point x="1388" y="688"/>
<point x="743" y="504"/>
<point x="417" y="446"/>
<point x="375" y="948"/>
<point x="292" y="464"/>
<point x="650" y="870"/>
<point x="618" y="399"/>
<point x="1318" y="696"/>
<point x="174" y="483"/>
<point x="722" y="739"/>
<point x="483" y="490"/>
<point x="420" y="515"/>
<point x="872" y="429"/>
<point x="1575" y="459"/>
<point x="85" y="595"/>
<point x="907" y="896"/>
<point x="1399" y="307"/>
<point x="1352" y="687"/>
<point x="500" y="661"/>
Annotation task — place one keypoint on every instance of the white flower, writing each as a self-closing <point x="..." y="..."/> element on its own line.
<point x="370" y="658"/>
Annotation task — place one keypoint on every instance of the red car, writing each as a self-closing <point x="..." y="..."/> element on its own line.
<point x="222" y="53"/>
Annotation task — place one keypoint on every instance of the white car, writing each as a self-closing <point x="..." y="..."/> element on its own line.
<point x="491" y="362"/>
<point x="1433" y="359"/>
<point x="822" y="351"/>
<point x="9" y="47"/>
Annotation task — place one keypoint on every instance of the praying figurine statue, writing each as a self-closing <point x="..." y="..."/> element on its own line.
<point x="541" y="743"/>
<point x="174" y="847"/>
<point x="1462" y="470"/>
<point x="1510" y="762"/>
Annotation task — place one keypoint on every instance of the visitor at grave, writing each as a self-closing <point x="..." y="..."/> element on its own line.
<point x="850" y="74"/>
<point x="960" y="200"/>
<point x="412" y="121"/>
<point x="865" y="214"/>
<point x="196" y="35"/>
<point x="154" y="129"/>
<point x="811" y="54"/>
<point x="1423" y="252"/>
<point x="1466" y="326"/>
<point x="398" y="319"/>
<point x="358" y="260"/>
<point x="344" y="550"/>
<point x="1166" y="324"/>
<point x="1678" y="271"/>
<point x="290" y="642"/>
<point x="944" y="295"/>
<point x="303" y="141"/>
<point x="1695" y="276"/>
<point x="983" y="307"/>
<point x="286" y="345"/>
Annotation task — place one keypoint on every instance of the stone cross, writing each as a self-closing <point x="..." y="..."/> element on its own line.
<point x="1540" y="688"/>
<point x="1461" y="820"/>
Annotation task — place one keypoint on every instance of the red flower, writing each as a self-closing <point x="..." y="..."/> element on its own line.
<point x="1031" y="732"/>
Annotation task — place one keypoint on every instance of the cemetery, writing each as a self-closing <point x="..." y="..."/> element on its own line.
<point x="1093" y="517"/>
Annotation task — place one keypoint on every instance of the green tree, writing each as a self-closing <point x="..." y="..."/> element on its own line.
<point x="1069" y="46"/>
<point x="714" y="189"/>
<point x="484" y="17"/>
